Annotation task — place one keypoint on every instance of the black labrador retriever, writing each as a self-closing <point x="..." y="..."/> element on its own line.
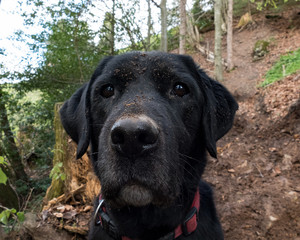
<point x="149" y="119"/>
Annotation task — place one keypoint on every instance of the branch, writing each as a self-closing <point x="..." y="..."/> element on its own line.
<point x="157" y="5"/>
<point x="5" y="208"/>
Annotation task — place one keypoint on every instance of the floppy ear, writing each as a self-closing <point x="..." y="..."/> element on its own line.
<point x="75" y="119"/>
<point x="75" y="113"/>
<point x="218" y="111"/>
<point x="219" y="106"/>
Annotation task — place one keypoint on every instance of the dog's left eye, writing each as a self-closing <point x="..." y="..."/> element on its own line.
<point x="107" y="90"/>
<point x="180" y="89"/>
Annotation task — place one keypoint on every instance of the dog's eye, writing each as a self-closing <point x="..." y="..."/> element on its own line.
<point x="180" y="89"/>
<point x="107" y="90"/>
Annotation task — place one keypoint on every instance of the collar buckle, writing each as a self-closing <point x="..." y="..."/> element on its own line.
<point x="97" y="218"/>
<point x="102" y="218"/>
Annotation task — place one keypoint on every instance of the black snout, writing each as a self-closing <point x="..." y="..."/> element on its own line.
<point x="134" y="136"/>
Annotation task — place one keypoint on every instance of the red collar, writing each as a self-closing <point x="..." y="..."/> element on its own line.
<point x="188" y="226"/>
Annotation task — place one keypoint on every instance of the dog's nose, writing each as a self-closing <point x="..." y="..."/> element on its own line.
<point x="133" y="136"/>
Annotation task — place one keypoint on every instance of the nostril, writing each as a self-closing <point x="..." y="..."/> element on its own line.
<point x="117" y="136"/>
<point x="148" y="136"/>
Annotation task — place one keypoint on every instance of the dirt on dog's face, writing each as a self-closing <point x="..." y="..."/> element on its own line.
<point x="145" y="114"/>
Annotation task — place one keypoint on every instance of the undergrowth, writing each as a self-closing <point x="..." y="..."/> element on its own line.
<point x="287" y="65"/>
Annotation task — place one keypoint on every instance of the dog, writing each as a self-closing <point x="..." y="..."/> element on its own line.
<point x="149" y="118"/>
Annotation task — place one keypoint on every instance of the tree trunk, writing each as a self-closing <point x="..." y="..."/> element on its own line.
<point x="79" y="180"/>
<point x="218" y="41"/>
<point x="229" y="35"/>
<point x="224" y="12"/>
<point x="57" y="186"/>
<point x="10" y="148"/>
<point x="113" y="23"/>
<point x="182" y="30"/>
<point x="149" y="24"/>
<point x="164" y="38"/>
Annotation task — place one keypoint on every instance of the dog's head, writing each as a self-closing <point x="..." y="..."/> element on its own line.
<point x="149" y="117"/>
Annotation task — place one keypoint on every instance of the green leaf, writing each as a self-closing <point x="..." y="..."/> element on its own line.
<point x="13" y="210"/>
<point x="4" y="216"/>
<point x="21" y="216"/>
<point x="63" y="177"/>
<point x="2" y="160"/>
<point x="3" y="177"/>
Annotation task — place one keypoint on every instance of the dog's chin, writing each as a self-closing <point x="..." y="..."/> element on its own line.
<point x="135" y="195"/>
<point x="138" y="195"/>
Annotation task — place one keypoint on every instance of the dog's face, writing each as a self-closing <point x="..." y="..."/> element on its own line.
<point x="149" y="118"/>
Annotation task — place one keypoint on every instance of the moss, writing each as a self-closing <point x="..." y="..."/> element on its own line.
<point x="260" y="49"/>
<point x="57" y="185"/>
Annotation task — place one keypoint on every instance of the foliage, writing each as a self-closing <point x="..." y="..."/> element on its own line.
<point x="69" y="56"/>
<point x="128" y="24"/>
<point x="3" y="177"/>
<point x="287" y="64"/>
<point x="8" y="147"/>
<point x="173" y="38"/>
<point x="7" y="215"/>
<point x="57" y="172"/>
<point x="203" y="18"/>
<point x="107" y="34"/>
<point x="261" y="4"/>
<point x="240" y="7"/>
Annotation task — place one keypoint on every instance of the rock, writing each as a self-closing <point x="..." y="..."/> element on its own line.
<point x="30" y="221"/>
<point x="38" y="230"/>
<point x="286" y="162"/>
<point x="260" y="50"/>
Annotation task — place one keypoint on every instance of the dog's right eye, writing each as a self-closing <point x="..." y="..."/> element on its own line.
<point x="107" y="90"/>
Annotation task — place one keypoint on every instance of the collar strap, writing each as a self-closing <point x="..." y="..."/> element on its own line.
<point x="188" y="226"/>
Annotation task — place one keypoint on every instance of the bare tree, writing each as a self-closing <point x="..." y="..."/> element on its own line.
<point x="182" y="30"/>
<point x="164" y="38"/>
<point x="218" y="40"/>
<point x="149" y="24"/>
<point x="229" y="35"/>
<point x="113" y="28"/>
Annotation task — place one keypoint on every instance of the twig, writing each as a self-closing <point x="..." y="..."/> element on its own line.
<point x="257" y="167"/>
<point x="28" y="198"/>
<point x="157" y="5"/>
<point x="5" y="208"/>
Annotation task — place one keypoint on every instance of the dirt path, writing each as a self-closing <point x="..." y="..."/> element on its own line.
<point x="256" y="177"/>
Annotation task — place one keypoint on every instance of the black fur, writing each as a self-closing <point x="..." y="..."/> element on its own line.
<point x="149" y="182"/>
